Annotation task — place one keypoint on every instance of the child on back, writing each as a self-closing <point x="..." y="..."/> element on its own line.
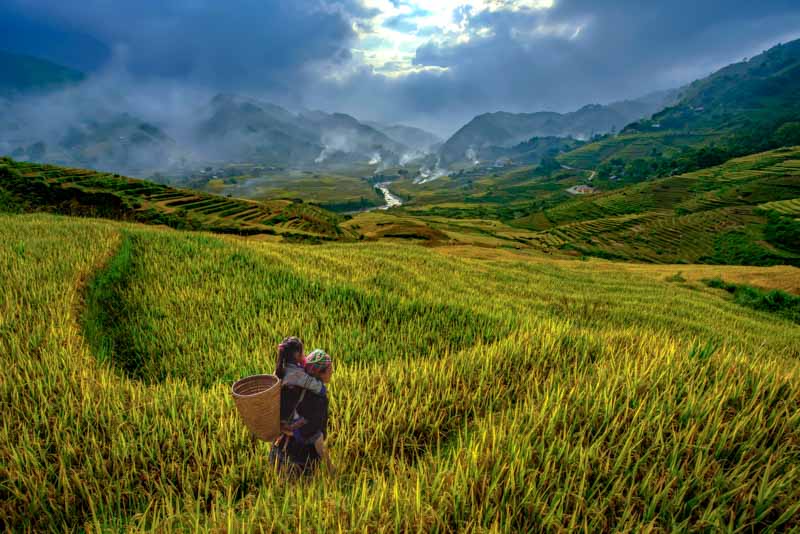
<point x="289" y="366"/>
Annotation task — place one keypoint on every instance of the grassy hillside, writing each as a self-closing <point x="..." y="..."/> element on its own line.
<point x="724" y="214"/>
<point x="470" y="394"/>
<point x="741" y="212"/>
<point x="495" y="193"/>
<point x="743" y="108"/>
<point x="35" y="187"/>
<point x="636" y="145"/>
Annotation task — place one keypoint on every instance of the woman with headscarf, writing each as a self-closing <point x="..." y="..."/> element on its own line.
<point x="302" y="445"/>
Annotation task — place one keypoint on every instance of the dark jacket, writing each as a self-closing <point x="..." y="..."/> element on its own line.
<point x="313" y="408"/>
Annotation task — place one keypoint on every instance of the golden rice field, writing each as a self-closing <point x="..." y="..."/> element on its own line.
<point x="475" y="390"/>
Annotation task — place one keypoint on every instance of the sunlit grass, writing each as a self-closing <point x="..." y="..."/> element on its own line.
<point x="470" y="394"/>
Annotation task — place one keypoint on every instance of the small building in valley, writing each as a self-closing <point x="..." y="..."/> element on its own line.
<point x="581" y="190"/>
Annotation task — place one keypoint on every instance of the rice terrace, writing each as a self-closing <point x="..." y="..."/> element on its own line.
<point x="224" y="310"/>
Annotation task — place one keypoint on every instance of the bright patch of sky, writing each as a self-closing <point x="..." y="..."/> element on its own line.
<point x="388" y="41"/>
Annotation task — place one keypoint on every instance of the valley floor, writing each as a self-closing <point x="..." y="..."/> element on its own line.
<point x="484" y="389"/>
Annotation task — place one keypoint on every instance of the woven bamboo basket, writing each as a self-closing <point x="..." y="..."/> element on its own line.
<point x="258" y="399"/>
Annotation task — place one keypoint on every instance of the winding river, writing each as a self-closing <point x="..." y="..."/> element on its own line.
<point x="392" y="200"/>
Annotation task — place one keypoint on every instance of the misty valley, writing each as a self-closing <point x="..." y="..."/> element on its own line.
<point x="400" y="265"/>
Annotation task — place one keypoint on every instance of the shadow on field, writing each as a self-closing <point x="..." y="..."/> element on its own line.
<point x="153" y="336"/>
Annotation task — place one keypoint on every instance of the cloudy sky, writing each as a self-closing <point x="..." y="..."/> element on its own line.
<point x="434" y="63"/>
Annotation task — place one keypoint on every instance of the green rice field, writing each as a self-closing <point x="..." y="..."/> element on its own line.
<point x="476" y="389"/>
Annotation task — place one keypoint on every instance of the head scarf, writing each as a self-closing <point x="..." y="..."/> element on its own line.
<point x="317" y="362"/>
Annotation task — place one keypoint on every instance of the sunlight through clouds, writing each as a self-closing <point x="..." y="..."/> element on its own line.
<point x="388" y="41"/>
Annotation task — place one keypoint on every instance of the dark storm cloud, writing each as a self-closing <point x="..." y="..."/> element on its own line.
<point x="588" y="51"/>
<point x="578" y="52"/>
<point x="243" y="45"/>
<point x="299" y="52"/>
<point x="55" y="42"/>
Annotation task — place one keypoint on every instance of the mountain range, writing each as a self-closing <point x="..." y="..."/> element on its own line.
<point x="410" y="136"/>
<point x="245" y="129"/>
<point x="753" y="98"/>
<point x="476" y="139"/>
<point x="88" y="132"/>
<point x="737" y="110"/>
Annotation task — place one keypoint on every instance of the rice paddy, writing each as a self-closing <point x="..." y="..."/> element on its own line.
<point x="785" y="207"/>
<point x="697" y="217"/>
<point x="476" y="389"/>
<point x="84" y="192"/>
<point x="635" y="145"/>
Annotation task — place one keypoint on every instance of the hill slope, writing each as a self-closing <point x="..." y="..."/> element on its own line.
<point x="741" y="106"/>
<point x="35" y="187"/>
<point x="242" y="129"/>
<point x="236" y="128"/>
<point x="504" y="129"/>
<point x="721" y="214"/>
<point x="415" y="138"/>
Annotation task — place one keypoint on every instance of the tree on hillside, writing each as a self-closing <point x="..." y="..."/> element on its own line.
<point x="788" y="134"/>
<point x="548" y="164"/>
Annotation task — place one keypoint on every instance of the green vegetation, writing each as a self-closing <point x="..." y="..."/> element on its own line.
<point x="148" y="345"/>
<point x="742" y="109"/>
<point x="783" y="231"/>
<point x="502" y="195"/>
<point x="7" y="203"/>
<point x="35" y="187"/>
<point x="778" y="302"/>
<point x="508" y="393"/>
<point x="726" y="214"/>
<point x="743" y="212"/>
<point x="677" y="277"/>
<point x="627" y="147"/>
<point x="334" y="192"/>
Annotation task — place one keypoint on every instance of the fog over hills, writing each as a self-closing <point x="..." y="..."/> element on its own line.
<point x="56" y="114"/>
<point x="92" y="123"/>
<point x="413" y="137"/>
<point x="501" y="129"/>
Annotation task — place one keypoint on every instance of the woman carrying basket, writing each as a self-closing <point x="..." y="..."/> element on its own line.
<point x="304" y="409"/>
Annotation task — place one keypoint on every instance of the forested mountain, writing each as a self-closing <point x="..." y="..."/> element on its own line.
<point x="503" y="129"/>
<point x="741" y="109"/>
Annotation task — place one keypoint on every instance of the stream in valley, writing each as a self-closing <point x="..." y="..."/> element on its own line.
<point x="392" y="200"/>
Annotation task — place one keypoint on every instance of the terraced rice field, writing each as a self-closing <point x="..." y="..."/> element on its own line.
<point x="740" y="182"/>
<point x="680" y="218"/>
<point x="785" y="207"/>
<point x="475" y="390"/>
<point x="589" y="231"/>
<point x="632" y="146"/>
<point x="150" y="202"/>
